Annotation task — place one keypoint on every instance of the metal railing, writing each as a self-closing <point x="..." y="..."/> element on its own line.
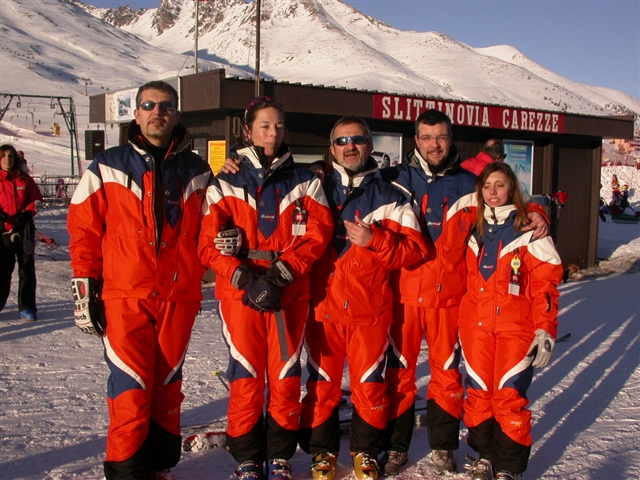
<point x="57" y="189"/>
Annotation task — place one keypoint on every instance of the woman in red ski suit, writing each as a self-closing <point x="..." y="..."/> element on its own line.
<point x="285" y="224"/>
<point x="507" y="324"/>
<point x="18" y="195"/>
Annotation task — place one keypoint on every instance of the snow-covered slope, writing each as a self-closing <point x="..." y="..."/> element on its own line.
<point x="330" y="43"/>
<point x="64" y="44"/>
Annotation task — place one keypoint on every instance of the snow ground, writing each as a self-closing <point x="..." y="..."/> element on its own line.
<point x="586" y="412"/>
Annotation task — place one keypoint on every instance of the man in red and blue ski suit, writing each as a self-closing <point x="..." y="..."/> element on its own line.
<point x="134" y="221"/>
<point x="376" y="231"/>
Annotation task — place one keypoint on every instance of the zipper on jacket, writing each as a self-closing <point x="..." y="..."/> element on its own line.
<point x="493" y="216"/>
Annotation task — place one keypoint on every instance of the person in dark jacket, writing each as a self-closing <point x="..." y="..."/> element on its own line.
<point x="18" y="196"/>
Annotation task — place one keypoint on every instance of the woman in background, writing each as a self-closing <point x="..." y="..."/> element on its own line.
<point x="18" y="196"/>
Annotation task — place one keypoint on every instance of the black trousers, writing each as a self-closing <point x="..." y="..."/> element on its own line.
<point x="26" y="275"/>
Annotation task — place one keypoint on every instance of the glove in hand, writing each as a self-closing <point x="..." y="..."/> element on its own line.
<point x="559" y="198"/>
<point x="89" y="309"/>
<point x="261" y="295"/>
<point x="22" y="220"/>
<point x="229" y="241"/>
<point x="541" y="348"/>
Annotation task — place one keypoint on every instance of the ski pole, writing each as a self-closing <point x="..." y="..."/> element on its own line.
<point x="216" y="373"/>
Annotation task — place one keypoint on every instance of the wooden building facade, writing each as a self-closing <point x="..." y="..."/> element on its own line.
<point x="565" y="148"/>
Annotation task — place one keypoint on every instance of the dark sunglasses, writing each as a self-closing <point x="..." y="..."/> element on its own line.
<point x="164" y="106"/>
<point x="357" y="139"/>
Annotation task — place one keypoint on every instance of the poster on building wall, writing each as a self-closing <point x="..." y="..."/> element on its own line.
<point x="520" y="159"/>
<point x="217" y="154"/>
<point x="387" y="148"/>
<point x="120" y="105"/>
<point x="126" y="101"/>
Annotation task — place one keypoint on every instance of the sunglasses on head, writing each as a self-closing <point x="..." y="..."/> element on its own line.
<point x="357" y="139"/>
<point x="164" y="106"/>
<point x="253" y="103"/>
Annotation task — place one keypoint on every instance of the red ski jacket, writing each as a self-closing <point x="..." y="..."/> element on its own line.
<point x="351" y="284"/>
<point x="18" y="193"/>
<point x="490" y="304"/>
<point x="281" y="211"/>
<point x="112" y="221"/>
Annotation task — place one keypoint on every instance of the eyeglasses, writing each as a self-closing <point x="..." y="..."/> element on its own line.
<point x="357" y="139"/>
<point x="164" y="106"/>
<point x="438" y="139"/>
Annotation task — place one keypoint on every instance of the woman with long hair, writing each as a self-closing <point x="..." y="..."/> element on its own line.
<point x="508" y="324"/>
<point x="18" y="196"/>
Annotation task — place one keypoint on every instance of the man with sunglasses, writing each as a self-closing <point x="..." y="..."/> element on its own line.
<point x="134" y="221"/>
<point x="429" y="294"/>
<point x="376" y="231"/>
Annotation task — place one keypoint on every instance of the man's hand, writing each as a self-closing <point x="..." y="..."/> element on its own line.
<point x="537" y="223"/>
<point x="231" y="165"/>
<point x="541" y="348"/>
<point x="89" y="309"/>
<point x="229" y="241"/>
<point x="358" y="232"/>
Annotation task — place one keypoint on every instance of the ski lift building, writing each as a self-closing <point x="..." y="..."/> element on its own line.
<point x="564" y="148"/>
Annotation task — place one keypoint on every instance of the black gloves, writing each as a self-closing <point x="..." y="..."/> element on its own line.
<point x="22" y="220"/>
<point x="263" y="293"/>
<point x="89" y="309"/>
<point x="262" y="296"/>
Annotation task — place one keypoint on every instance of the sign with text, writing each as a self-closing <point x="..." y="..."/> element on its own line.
<point x="217" y="154"/>
<point x="393" y="107"/>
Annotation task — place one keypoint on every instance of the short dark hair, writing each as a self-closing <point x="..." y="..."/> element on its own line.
<point x="348" y="120"/>
<point x="433" y="117"/>
<point x="258" y="103"/>
<point x="157" y="85"/>
<point x="494" y="148"/>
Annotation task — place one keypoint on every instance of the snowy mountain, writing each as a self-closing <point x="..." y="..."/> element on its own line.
<point x="326" y="42"/>
<point x="64" y="47"/>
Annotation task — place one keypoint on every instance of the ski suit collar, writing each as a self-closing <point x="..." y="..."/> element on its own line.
<point x="180" y="139"/>
<point x="498" y="215"/>
<point x="255" y="155"/>
<point x="354" y="180"/>
<point x="453" y="159"/>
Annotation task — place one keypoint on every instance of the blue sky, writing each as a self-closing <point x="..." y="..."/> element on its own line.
<point x="596" y="42"/>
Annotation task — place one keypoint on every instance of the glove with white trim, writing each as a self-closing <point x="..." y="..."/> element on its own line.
<point x="541" y="348"/>
<point x="228" y="241"/>
<point x="89" y="309"/>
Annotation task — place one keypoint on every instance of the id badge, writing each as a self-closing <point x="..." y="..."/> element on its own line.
<point x="514" y="281"/>
<point x="299" y="226"/>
